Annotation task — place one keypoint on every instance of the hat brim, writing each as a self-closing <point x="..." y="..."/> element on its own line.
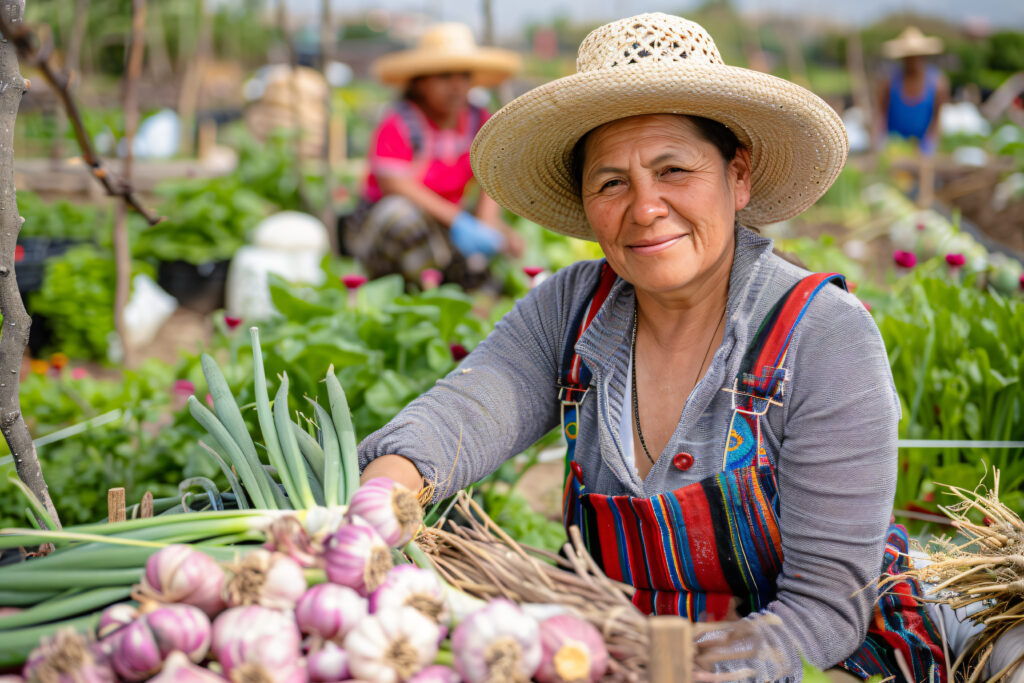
<point x="798" y="144"/>
<point x="898" y="50"/>
<point x="488" y="65"/>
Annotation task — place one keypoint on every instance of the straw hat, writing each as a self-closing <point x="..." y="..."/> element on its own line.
<point x="647" y="64"/>
<point x="911" y="43"/>
<point x="447" y="47"/>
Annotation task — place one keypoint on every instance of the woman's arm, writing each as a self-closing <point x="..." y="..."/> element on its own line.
<point x="836" y="474"/>
<point x="439" y="208"/>
<point x="499" y="401"/>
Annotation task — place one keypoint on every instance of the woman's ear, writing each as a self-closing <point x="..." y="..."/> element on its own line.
<point x="739" y="175"/>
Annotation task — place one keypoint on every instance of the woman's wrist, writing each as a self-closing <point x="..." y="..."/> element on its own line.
<point x="397" y="468"/>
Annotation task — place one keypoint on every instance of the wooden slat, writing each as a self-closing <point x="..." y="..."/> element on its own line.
<point x="115" y="505"/>
<point x="671" y="650"/>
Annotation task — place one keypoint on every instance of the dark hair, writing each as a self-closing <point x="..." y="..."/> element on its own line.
<point x="724" y="140"/>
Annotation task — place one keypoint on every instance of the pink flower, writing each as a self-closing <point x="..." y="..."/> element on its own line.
<point x="904" y="259"/>
<point x="184" y="387"/>
<point x="458" y="352"/>
<point x="232" y="322"/>
<point x="353" y="281"/>
<point x="955" y="260"/>
<point x="866" y="305"/>
<point x="1022" y="282"/>
<point x="79" y="373"/>
<point x="209" y="400"/>
<point x="532" y="271"/>
<point x="431" y="277"/>
<point x="920" y="227"/>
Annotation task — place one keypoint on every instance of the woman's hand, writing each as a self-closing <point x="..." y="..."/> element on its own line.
<point x="395" y="468"/>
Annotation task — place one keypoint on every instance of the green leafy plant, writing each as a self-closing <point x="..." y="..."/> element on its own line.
<point x="77" y="298"/>
<point x="61" y="219"/>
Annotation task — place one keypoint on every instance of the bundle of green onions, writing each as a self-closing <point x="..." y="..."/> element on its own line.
<point x="96" y="565"/>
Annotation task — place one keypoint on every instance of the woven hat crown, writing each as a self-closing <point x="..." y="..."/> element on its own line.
<point x="447" y="37"/>
<point x="644" y="40"/>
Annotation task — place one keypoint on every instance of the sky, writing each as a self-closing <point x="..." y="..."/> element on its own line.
<point x="511" y="15"/>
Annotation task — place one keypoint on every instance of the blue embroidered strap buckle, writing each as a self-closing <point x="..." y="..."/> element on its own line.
<point x="572" y="395"/>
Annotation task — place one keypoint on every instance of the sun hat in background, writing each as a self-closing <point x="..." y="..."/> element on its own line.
<point x="446" y="47"/>
<point x="911" y="43"/>
<point x="649" y="64"/>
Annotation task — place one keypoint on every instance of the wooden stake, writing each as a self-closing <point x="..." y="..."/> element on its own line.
<point x="671" y="650"/>
<point x="146" y="506"/>
<point x="115" y="505"/>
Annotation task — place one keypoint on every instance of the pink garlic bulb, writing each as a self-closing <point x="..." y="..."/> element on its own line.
<point x="329" y="611"/>
<point x="114" y="617"/>
<point x="329" y="663"/>
<point x="391" y="509"/>
<point x="257" y="640"/>
<point x="497" y="644"/>
<point x="573" y="651"/>
<point x="264" y="578"/>
<point x="180" y="573"/>
<point x="407" y="585"/>
<point x="136" y="655"/>
<point x="67" y="658"/>
<point x="356" y="556"/>
<point x="438" y="673"/>
<point x="178" y="668"/>
<point x="184" y="628"/>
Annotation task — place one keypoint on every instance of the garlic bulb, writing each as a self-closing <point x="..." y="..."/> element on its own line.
<point x="136" y="654"/>
<point x="329" y="663"/>
<point x="258" y="643"/>
<point x="178" y="668"/>
<point x="114" y="617"/>
<point x="179" y="573"/>
<point x="357" y="557"/>
<point x="390" y="508"/>
<point x="573" y="651"/>
<point x="329" y="611"/>
<point x="437" y="673"/>
<point x="264" y="578"/>
<point x="407" y="585"/>
<point x="184" y="628"/>
<point x="66" y="658"/>
<point x="498" y="644"/>
<point x="391" y="645"/>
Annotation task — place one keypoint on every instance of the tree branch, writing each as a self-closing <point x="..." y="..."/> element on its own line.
<point x="27" y="45"/>
<point x="16" y="322"/>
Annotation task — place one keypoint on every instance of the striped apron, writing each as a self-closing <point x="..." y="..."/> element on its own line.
<point x="714" y="543"/>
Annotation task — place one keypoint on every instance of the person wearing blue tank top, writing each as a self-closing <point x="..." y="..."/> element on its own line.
<point x="909" y="101"/>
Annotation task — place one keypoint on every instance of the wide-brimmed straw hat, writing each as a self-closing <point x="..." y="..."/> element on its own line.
<point x="911" y="43"/>
<point x="447" y="47"/>
<point x="648" y="64"/>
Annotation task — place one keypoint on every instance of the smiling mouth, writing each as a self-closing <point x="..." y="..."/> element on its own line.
<point x="656" y="245"/>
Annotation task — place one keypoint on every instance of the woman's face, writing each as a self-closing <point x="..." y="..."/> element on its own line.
<point x="443" y="95"/>
<point x="662" y="201"/>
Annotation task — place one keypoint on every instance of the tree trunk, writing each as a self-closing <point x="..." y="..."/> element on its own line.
<point x="72" y="53"/>
<point x="122" y="249"/>
<point x="328" y="214"/>
<point x="16" y="322"/>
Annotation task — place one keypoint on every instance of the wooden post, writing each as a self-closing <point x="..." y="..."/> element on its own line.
<point x="115" y="505"/>
<point x="671" y="650"/>
<point x="207" y="139"/>
<point x="146" y="506"/>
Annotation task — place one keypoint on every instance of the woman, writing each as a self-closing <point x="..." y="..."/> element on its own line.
<point x="412" y="216"/>
<point x="909" y="101"/>
<point x="731" y="419"/>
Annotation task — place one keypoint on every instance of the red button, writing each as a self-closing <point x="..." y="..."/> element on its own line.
<point x="577" y="471"/>
<point x="682" y="461"/>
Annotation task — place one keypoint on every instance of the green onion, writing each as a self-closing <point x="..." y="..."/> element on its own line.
<point x="333" y="480"/>
<point x="290" y="447"/>
<point x="219" y="432"/>
<point x="88" y="601"/>
<point x="15" y="645"/>
<point x="346" y="434"/>
<point x="266" y="420"/>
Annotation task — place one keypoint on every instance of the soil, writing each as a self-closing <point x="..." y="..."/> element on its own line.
<point x="1005" y="227"/>
<point x="184" y="331"/>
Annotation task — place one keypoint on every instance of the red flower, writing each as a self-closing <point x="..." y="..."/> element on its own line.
<point x="353" y="281"/>
<point x="851" y="286"/>
<point x="920" y="226"/>
<point x="19" y="253"/>
<point x="955" y="260"/>
<point x="533" y="271"/>
<point x="79" y="373"/>
<point x="866" y="305"/>
<point x="929" y="497"/>
<point x="431" y="277"/>
<point x="1022" y="282"/>
<point x="232" y="322"/>
<point x="904" y="259"/>
<point x="59" y="360"/>
<point x="184" y="387"/>
<point x="458" y="352"/>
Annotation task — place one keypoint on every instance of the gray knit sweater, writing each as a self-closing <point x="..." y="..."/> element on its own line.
<point x="833" y="440"/>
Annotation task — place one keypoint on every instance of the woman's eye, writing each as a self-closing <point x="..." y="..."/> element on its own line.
<point x="673" y="169"/>
<point x="610" y="183"/>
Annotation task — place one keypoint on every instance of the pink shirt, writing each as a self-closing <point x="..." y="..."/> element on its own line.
<point x="441" y="161"/>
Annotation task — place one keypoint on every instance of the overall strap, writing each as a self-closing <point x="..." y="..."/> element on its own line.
<point x="411" y="118"/>
<point x="573" y="374"/>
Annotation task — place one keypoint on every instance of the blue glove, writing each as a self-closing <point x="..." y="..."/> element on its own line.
<point x="471" y="236"/>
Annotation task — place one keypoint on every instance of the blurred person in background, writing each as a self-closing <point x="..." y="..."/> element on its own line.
<point x="910" y="99"/>
<point x="413" y="213"/>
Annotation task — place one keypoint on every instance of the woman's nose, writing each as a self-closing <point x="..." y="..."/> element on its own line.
<point x="648" y="204"/>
